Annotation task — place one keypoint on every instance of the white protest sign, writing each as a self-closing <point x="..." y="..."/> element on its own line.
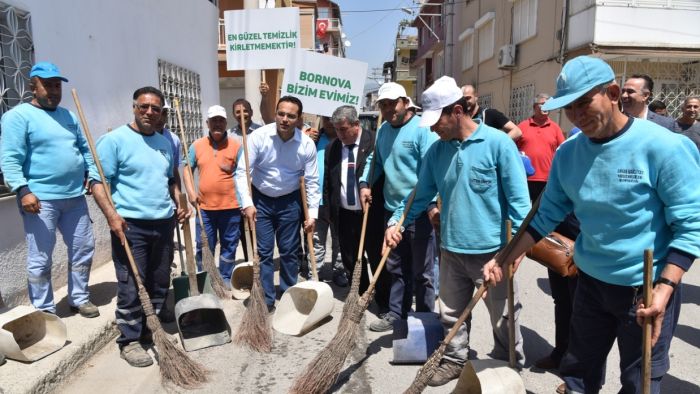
<point x="323" y="82"/>
<point x="261" y="38"/>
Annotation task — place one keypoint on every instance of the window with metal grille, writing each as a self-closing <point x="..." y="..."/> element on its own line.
<point x="16" y="59"/>
<point x="485" y="100"/>
<point x="521" y="102"/>
<point x="180" y="83"/>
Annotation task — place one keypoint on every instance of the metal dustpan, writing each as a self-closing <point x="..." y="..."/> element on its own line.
<point x="305" y="304"/>
<point x="242" y="275"/>
<point x="489" y="377"/>
<point x="242" y="280"/>
<point x="200" y="318"/>
<point x="28" y="334"/>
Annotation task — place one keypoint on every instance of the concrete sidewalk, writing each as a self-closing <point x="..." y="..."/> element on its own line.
<point x="85" y="337"/>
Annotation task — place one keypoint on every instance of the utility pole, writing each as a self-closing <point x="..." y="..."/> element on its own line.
<point x="449" y="37"/>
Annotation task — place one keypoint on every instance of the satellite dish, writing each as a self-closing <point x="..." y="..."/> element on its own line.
<point x="343" y="35"/>
<point x="348" y="44"/>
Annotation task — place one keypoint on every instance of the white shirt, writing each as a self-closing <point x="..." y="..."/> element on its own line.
<point x="344" y="177"/>
<point x="276" y="165"/>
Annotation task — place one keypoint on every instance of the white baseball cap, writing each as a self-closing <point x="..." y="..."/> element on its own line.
<point x="441" y="94"/>
<point x="392" y="91"/>
<point x="216" y="110"/>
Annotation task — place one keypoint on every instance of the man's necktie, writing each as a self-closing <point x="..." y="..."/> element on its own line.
<point x="350" y="180"/>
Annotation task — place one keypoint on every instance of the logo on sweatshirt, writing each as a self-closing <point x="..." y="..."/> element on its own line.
<point x="629" y="175"/>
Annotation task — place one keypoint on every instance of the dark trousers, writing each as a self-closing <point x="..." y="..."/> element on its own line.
<point x="278" y="218"/>
<point x="244" y="242"/>
<point x="410" y="266"/>
<point x="151" y="243"/>
<point x="535" y="188"/>
<point x="563" y="294"/>
<point x="602" y="313"/>
<point x="221" y="226"/>
<point x="349" y="231"/>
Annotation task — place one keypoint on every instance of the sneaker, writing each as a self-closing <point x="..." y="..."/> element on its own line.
<point x="446" y="372"/>
<point x="136" y="355"/>
<point x="561" y="389"/>
<point x="386" y="323"/>
<point x="340" y="280"/>
<point x="88" y="310"/>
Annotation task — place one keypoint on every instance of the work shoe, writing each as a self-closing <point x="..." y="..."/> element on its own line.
<point x="340" y="280"/>
<point x="136" y="355"/>
<point x="88" y="310"/>
<point x="446" y="372"/>
<point x="386" y="323"/>
<point x="547" y="363"/>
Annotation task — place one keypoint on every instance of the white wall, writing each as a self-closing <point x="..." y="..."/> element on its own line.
<point x="647" y="27"/>
<point x="108" y="49"/>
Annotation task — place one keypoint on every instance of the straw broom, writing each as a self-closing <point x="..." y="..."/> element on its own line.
<point x="322" y="372"/>
<point x="255" y="330"/>
<point x="175" y="365"/>
<point x="354" y="293"/>
<point x="426" y="372"/>
<point x="208" y="264"/>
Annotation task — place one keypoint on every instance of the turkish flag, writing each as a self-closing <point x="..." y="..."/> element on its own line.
<point x="321" y="27"/>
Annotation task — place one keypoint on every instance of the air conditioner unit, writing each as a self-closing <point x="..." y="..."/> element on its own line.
<point x="506" y="56"/>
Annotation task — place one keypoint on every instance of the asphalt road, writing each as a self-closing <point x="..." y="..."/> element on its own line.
<point x="369" y="368"/>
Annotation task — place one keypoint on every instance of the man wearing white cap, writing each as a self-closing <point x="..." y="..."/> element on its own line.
<point x="216" y="158"/>
<point x="400" y="147"/>
<point x="480" y="177"/>
<point x="633" y="186"/>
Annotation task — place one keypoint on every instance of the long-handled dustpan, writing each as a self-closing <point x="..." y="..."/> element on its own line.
<point x="181" y="284"/>
<point x="27" y="334"/>
<point x="200" y="317"/>
<point x="489" y="377"/>
<point x="305" y="304"/>
<point x="242" y="275"/>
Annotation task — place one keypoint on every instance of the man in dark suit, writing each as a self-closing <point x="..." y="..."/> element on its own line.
<point x="636" y="94"/>
<point x="345" y="161"/>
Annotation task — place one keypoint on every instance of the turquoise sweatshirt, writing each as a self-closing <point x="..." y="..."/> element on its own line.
<point x="636" y="191"/>
<point x="399" y="154"/>
<point x="44" y="151"/>
<point x="138" y="169"/>
<point x="482" y="183"/>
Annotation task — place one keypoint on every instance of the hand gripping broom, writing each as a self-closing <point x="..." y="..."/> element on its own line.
<point x="322" y="372"/>
<point x="174" y="364"/>
<point x="217" y="283"/>
<point x="255" y="330"/>
<point x="426" y="372"/>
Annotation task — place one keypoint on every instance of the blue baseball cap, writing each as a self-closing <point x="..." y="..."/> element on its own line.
<point x="46" y="70"/>
<point x="578" y="76"/>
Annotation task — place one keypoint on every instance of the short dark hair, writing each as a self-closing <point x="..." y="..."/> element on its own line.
<point x="149" y="90"/>
<point x="293" y="100"/>
<point x="656" y="105"/>
<point x="245" y="103"/>
<point x="648" y="82"/>
<point x="462" y="102"/>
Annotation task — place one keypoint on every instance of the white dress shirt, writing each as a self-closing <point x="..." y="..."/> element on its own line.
<point x="276" y="165"/>
<point x="344" y="177"/>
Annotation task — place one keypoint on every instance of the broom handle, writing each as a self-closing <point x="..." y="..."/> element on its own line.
<point x="251" y="226"/>
<point x="98" y="164"/>
<point x="465" y="314"/>
<point x="179" y="251"/>
<point x="188" y="169"/>
<point x="378" y="271"/>
<point x="646" y="328"/>
<point x="365" y="214"/>
<point x="504" y="256"/>
<point x="511" y="302"/>
<point x="189" y="253"/>
<point x="309" y="236"/>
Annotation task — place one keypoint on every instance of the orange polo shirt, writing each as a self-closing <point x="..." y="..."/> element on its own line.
<point x="216" y="164"/>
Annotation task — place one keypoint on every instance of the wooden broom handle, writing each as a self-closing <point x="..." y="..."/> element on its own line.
<point x="309" y="236"/>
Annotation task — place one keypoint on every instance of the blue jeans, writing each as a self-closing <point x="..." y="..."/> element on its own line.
<point x="278" y="218"/>
<point x="411" y="267"/>
<point x="604" y="312"/>
<point x="151" y="243"/>
<point x="71" y="217"/>
<point x="222" y="226"/>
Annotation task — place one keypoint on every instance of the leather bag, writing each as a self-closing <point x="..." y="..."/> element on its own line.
<point x="555" y="252"/>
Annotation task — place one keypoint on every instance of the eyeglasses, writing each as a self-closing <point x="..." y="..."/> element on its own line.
<point x="144" y="108"/>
